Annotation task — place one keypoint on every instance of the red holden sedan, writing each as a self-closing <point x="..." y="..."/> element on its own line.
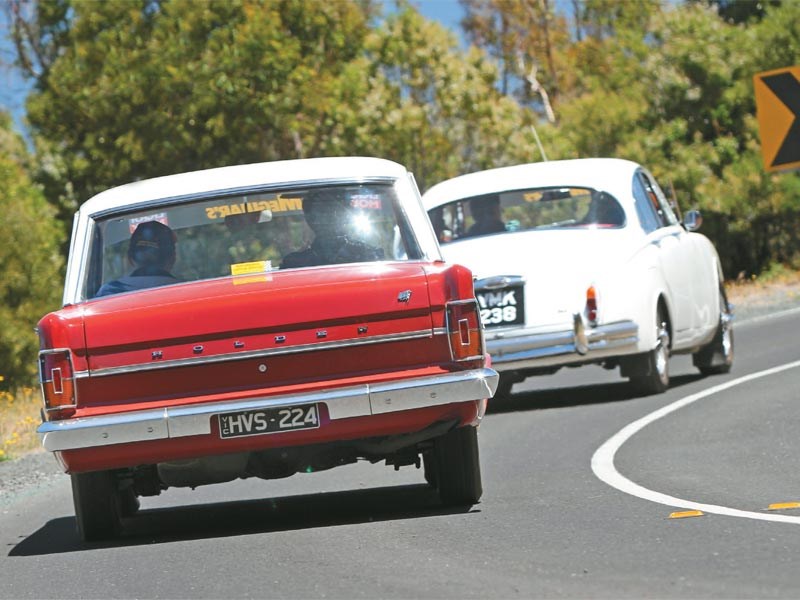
<point x="259" y="321"/>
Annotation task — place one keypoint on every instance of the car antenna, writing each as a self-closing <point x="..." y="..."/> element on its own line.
<point x="539" y="143"/>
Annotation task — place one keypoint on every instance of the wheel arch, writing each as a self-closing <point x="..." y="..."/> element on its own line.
<point x="656" y="297"/>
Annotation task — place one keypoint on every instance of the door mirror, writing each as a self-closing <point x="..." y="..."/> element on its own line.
<point x="692" y="220"/>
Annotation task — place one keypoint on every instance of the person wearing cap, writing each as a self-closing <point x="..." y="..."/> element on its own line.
<point x="327" y="213"/>
<point x="151" y="253"/>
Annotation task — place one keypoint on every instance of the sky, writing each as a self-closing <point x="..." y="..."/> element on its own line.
<point x="447" y="12"/>
<point x="13" y="88"/>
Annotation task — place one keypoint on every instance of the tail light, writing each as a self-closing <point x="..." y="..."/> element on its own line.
<point x="591" y="306"/>
<point x="464" y="330"/>
<point x="57" y="379"/>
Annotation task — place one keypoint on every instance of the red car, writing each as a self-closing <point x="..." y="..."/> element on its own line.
<point x="258" y="321"/>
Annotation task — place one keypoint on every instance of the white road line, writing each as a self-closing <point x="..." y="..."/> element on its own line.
<point x="603" y="459"/>
<point x="768" y="316"/>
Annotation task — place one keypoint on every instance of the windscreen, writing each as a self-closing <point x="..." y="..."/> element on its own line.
<point x="526" y="209"/>
<point x="228" y="236"/>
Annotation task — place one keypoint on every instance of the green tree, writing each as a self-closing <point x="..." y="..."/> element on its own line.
<point x="436" y="109"/>
<point x="30" y="262"/>
<point x="529" y="40"/>
<point x="143" y="88"/>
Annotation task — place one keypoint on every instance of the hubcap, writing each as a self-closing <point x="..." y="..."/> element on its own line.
<point x="727" y="338"/>
<point x="662" y="351"/>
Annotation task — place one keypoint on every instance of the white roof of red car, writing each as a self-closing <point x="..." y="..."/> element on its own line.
<point x="241" y="177"/>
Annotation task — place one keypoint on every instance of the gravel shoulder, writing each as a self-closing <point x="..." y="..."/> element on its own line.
<point x="36" y="469"/>
<point x="750" y="300"/>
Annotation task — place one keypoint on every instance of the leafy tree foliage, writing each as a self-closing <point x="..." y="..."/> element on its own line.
<point x="145" y="88"/>
<point x="127" y="89"/>
<point x="740" y="11"/>
<point x="30" y="262"/>
<point x="435" y="110"/>
<point x="670" y="86"/>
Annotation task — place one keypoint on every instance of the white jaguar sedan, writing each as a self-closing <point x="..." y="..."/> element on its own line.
<point x="585" y="262"/>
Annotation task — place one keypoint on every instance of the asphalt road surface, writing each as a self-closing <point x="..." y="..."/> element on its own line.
<point x="580" y="481"/>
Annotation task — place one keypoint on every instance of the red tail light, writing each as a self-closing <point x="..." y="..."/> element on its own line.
<point x="591" y="305"/>
<point x="57" y="379"/>
<point x="464" y="330"/>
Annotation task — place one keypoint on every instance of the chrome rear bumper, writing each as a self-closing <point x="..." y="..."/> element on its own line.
<point x="579" y="344"/>
<point x="342" y="403"/>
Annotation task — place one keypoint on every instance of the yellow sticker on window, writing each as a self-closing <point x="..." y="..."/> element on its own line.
<point x="251" y="268"/>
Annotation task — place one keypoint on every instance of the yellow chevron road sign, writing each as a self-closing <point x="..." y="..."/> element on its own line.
<point x="778" y="110"/>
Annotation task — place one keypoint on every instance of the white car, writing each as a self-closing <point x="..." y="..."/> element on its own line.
<point x="585" y="262"/>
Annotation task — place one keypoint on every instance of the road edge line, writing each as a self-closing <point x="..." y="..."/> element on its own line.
<point x="603" y="459"/>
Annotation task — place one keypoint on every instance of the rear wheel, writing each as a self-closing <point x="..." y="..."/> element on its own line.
<point x="97" y="505"/>
<point x="504" y="388"/>
<point x="429" y="467"/>
<point x="654" y="377"/>
<point x="507" y="381"/>
<point x="717" y="357"/>
<point x="458" y="469"/>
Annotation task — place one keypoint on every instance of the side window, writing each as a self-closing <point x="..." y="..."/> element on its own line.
<point x="665" y="208"/>
<point x="448" y="221"/>
<point x="645" y="207"/>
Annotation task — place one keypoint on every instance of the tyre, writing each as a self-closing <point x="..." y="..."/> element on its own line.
<point x="97" y="505"/>
<point x="458" y="469"/>
<point x="507" y="381"/>
<point x="717" y="357"/>
<point x="429" y="467"/>
<point x="653" y="376"/>
<point x="504" y="388"/>
<point x="128" y="503"/>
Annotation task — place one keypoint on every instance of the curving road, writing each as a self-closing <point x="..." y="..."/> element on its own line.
<point x="580" y="480"/>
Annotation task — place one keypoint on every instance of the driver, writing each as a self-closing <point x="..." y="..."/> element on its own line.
<point x="486" y="212"/>
<point x="328" y="214"/>
<point x="151" y="253"/>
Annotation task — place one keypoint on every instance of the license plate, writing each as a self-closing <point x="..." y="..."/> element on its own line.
<point x="268" y="420"/>
<point x="502" y="307"/>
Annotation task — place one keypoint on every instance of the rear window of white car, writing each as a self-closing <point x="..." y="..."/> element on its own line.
<point x="526" y="209"/>
<point x="206" y="238"/>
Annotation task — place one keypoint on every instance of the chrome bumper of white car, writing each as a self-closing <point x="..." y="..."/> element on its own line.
<point x="579" y="344"/>
<point x="342" y="403"/>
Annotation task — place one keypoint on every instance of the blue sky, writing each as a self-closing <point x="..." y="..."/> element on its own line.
<point x="448" y="12"/>
<point x="13" y="89"/>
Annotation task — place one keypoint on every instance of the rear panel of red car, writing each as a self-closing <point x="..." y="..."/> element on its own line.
<point x="274" y="334"/>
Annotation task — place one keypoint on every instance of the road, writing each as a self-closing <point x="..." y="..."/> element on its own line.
<point x="553" y="523"/>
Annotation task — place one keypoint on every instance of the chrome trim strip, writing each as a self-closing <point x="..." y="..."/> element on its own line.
<point x="205" y="360"/>
<point x="343" y="403"/>
<point x="528" y="350"/>
<point x="455" y="387"/>
<point x="498" y="282"/>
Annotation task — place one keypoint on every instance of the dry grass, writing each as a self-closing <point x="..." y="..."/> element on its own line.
<point x="19" y="418"/>
<point x="778" y="284"/>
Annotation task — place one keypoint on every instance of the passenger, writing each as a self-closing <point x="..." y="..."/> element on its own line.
<point x="604" y="210"/>
<point x="328" y="213"/>
<point x="486" y="213"/>
<point x="151" y="253"/>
